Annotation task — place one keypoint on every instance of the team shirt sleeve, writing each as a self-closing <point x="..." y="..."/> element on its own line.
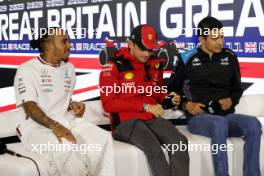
<point x="24" y="85"/>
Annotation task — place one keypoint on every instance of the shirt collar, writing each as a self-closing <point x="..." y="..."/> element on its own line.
<point x="46" y="63"/>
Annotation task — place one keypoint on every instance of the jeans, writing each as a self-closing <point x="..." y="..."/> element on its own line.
<point x="219" y="128"/>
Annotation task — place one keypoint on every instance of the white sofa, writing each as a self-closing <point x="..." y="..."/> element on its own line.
<point x="131" y="161"/>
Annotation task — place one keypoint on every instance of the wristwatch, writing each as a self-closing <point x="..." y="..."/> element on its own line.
<point x="146" y="107"/>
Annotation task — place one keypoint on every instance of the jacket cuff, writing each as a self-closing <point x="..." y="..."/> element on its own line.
<point x="235" y="101"/>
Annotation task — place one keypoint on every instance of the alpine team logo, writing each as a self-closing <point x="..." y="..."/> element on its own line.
<point x="224" y="61"/>
<point x="196" y="62"/>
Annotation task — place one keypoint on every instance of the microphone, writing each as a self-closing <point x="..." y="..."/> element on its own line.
<point x="3" y="150"/>
<point x="213" y="107"/>
<point x="167" y="102"/>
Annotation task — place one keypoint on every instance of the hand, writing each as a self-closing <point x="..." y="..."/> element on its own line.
<point x="156" y="110"/>
<point x="225" y="103"/>
<point x="194" y="108"/>
<point x="176" y="99"/>
<point x="78" y="108"/>
<point x="60" y="131"/>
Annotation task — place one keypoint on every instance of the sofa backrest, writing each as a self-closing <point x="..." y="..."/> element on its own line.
<point x="249" y="104"/>
<point x="9" y="120"/>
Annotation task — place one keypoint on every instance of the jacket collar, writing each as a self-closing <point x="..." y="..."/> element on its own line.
<point x="203" y="54"/>
<point x="125" y="54"/>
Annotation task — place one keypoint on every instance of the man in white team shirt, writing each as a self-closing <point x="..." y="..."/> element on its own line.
<point x="43" y="88"/>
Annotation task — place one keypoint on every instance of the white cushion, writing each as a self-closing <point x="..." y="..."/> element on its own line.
<point x="201" y="162"/>
<point x="130" y="160"/>
<point x="95" y="114"/>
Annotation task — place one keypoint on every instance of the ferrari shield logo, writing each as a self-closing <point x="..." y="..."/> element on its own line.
<point x="157" y="65"/>
<point x="150" y="36"/>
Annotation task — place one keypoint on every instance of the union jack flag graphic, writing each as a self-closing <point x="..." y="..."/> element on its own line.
<point x="10" y="46"/>
<point x="250" y="47"/>
<point x="79" y="46"/>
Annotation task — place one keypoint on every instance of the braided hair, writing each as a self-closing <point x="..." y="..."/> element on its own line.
<point x="42" y="38"/>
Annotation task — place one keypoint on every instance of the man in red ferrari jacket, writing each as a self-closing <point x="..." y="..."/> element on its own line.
<point x="132" y="91"/>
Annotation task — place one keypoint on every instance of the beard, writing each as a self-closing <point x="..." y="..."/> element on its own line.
<point x="65" y="60"/>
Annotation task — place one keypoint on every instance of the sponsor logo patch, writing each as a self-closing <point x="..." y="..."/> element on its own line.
<point x="129" y="76"/>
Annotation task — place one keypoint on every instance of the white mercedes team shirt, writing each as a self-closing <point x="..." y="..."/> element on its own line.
<point x="49" y="86"/>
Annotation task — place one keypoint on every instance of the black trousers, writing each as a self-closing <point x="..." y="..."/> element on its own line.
<point x="149" y="136"/>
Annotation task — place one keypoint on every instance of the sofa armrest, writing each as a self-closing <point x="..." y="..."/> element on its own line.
<point x="9" y="121"/>
<point x="251" y="105"/>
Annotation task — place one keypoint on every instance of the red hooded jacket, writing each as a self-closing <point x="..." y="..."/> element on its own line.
<point x="126" y="84"/>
